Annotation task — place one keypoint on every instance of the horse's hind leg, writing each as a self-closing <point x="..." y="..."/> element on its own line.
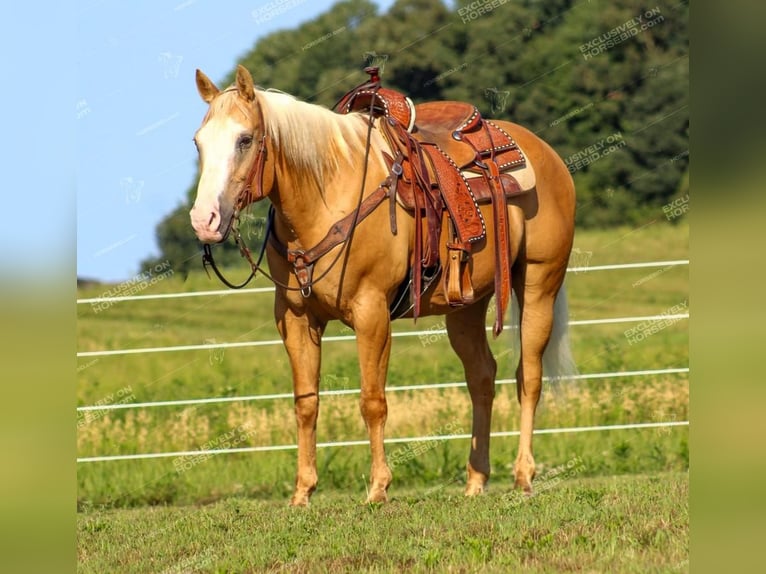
<point x="536" y="304"/>
<point x="468" y="337"/>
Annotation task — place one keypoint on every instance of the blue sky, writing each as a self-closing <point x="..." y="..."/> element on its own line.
<point x="136" y="108"/>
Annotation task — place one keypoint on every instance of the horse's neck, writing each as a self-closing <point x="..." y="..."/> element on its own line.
<point x="308" y="209"/>
<point x="305" y="214"/>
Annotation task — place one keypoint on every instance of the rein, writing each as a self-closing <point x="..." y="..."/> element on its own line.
<point x="207" y="255"/>
<point x="341" y="232"/>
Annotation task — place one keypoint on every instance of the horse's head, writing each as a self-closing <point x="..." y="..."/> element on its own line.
<point x="231" y="147"/>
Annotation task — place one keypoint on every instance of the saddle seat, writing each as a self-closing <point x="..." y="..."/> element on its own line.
<point x="436" y="118"/>
<point x="449" y="124"/>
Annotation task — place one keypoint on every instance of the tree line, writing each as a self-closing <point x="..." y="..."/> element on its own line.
<point x="605" y="83"/>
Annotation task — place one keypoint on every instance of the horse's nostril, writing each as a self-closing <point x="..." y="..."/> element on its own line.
<point x="212" y="219"/>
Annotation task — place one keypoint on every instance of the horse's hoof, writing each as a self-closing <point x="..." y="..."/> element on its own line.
<point x="524" y="485"/>
<point x="375" y="496"/>
<point x="474" y="489"/>
<point x="299" y="500"/>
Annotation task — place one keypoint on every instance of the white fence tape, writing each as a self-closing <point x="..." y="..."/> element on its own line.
<point x="269" y="448"/>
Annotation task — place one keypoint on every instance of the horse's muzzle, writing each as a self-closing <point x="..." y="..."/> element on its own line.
<point x="210" y="227"/>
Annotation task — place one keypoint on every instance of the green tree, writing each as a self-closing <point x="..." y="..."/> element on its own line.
<point x="525" y="61"/>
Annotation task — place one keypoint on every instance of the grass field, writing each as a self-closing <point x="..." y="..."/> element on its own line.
<point x="622" y="524"/>
<point x="638" y="477"/>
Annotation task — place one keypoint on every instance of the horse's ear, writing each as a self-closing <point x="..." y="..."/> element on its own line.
<point x="205" y="86"/>
<point x="245" y="83"/>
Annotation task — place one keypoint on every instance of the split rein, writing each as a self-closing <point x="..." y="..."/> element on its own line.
<point x="245" y="197"/>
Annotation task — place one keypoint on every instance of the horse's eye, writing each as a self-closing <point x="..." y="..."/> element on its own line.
<point x="244" y="142"/>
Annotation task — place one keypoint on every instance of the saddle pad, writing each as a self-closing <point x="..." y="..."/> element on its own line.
<point x="524" y="176"/>
<point x="479" y="188"/>
<point x="517" y="181"/>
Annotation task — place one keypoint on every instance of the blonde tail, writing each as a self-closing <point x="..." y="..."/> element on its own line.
<point x="558" y="363"/>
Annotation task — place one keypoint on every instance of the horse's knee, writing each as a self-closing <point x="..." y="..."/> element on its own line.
<point x="373" y="407"/>
<point x="306" y="409"/>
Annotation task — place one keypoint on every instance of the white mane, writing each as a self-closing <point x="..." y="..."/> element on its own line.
<point x="312" y="139"/>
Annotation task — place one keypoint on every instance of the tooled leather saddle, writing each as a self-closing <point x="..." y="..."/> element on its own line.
<point x="445" y="158"/>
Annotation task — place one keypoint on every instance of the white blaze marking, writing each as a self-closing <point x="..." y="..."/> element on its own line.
<point x="217" y="142"/>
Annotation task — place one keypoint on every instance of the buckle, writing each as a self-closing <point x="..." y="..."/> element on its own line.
<point x="302" y="270"/>
<point x="293" y="255"/>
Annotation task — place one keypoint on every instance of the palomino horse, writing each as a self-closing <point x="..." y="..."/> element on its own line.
<point x="310" y="163"/>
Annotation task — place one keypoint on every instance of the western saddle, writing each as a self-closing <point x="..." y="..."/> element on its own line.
<point x="446" y="157"/>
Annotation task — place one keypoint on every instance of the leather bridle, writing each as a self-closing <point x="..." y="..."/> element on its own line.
<point x="255" y="173"/>
<point x="302" y="260"/>
<point x="245" y="197"/>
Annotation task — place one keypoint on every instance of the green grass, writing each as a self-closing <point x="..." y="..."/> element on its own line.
<point x="626" y="524"/>
<point x="247" y="371"/>
<point x="636" y="528"/>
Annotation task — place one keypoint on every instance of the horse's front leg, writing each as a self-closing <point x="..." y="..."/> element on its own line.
<point x="373" y="336"/>
<point x="302" y="336"/>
